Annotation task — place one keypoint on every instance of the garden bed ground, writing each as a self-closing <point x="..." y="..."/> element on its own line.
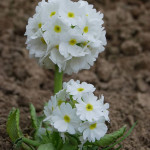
<point x="122" y="72"/>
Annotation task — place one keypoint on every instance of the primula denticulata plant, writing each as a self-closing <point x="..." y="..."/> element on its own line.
<point x="67" y="36"/>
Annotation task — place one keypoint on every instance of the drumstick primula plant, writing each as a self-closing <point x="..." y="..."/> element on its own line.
<point x="67" y="36"/>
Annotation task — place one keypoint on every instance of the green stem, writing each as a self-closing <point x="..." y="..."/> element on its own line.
<point x="31" y="142"/>
<point x="58" y="80"/>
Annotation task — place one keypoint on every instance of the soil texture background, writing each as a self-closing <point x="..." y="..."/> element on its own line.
<point x="121" y="73"/>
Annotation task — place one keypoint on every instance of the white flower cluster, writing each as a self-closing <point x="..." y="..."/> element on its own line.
<point x="76" y="110"/>
<point x="66" y="33"/>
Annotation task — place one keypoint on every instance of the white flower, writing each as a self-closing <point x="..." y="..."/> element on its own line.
<point x="33" y="29"/>
<point x="55" y="30"/>
<point x="40" y="6"/>
<point x="55" y="101"/>
<point x="71" y="12"/>
<point x="103" y="107"/>
<point x="77" y="90"/>
<point x="37" y="47"/>
<point x="50" y="10"/>
<point x="69" y="83"/>
<point x="88" y="108"/>
<point x="61" y="97"/>
<point x="90" y="12"/>
<point x="65" y="119"/>
<point x="65" y="33"/>
<point x="84" y="116"/>
<point x="48" y="110"/>
<point x="70" y="48"/>
<point x="94" y="130"/>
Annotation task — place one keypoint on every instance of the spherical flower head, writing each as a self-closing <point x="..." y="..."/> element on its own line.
<point x="85" y="116"/>
<point x="88" y="108"/>
<point x="65" y="33"/>
<point x="93" y="130"/>
<point x="77" y="90"/>
<point x="65" y="119"/>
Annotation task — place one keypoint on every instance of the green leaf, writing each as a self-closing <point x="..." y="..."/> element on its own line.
<point x="36" y="122"/>
<point x="46" y="138"/>
<point x="18" y="144"/>
<point x="48" y="146"/>
<point x="31" y="142"/>
<point x="12" y="125"/>
<point x="70" y="144"/>
<point x="56" y="138"/>
<point x="40" y="120"/>
<point x="110" y="138"/>
<point x="124" y="137"/>
<point x="90" y="147"/>
<point x="33" y="116"/>
<point x="73" y="26"/>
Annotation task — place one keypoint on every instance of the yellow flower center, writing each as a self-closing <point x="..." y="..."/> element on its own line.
<point x="57" y="29"/>
<point x="57" y="47"/>
<point x="80" y="89"/>
<point x="86" y="29"/>
<point x="52" y="13"/>
<point x="67" y="118"/>
<point x="93" y="126"/>
<point x="71" y="15"/>
<point x="60" y="102"/>
<point x="87" y="15"/>
<point x="43" y="41"/>
<point x="85" y="43"/>
<point x="40" y="25"/>
<point x="52" y="108"/>
<point x="89" y="107"/>
<point x="72" y="42"/>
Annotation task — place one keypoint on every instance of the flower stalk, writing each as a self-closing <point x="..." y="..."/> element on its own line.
<point x="58" y="80"/>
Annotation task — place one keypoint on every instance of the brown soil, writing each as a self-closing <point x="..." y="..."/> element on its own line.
<point x="122" y="72"/>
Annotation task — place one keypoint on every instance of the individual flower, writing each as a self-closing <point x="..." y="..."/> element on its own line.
<point x="55" y="101"/>
<point x="61" y="97"/>
<point x="69" y="47"/>
<point x="65" y="119"/>
<point x="77" y="90"/>
<point x="71" y="12"/>
<point x="33" y="29"/>
<point x="48" y="110"/>
<point x="93" y="130"/>
<point x="55" y="30"/>
<point x="71" y="82"/>
<point x="67" y="34"/>
<point x="88" y="108"/>
<point x="103" y="107"/>
<point x="38" y="47"/>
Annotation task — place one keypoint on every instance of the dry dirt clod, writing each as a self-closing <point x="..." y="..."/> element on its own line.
<point x="131" y="48"/>
<point x="143" y="100"/>
<point x="104" y="70"/>
<point x="144" y="39"/>
<point x="141" y="85"/>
